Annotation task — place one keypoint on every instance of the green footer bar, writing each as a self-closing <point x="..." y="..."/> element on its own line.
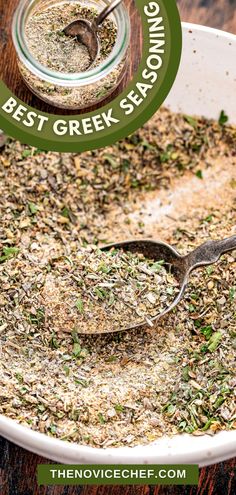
<point x="130" y="474"/>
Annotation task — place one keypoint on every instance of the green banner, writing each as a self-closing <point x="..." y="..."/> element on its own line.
<point x="116" y="120"/>
<point x="128" y="474"/>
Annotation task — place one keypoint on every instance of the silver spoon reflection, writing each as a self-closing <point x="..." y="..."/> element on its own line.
<point x="181" y="266"/>
<point x="87" y="31"/>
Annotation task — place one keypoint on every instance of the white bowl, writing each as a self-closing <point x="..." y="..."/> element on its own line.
<point x="206" y="81"/>
<point x="205" y="85"/>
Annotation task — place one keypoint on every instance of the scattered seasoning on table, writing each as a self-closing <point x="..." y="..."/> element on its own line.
<point x="127" y="388"/>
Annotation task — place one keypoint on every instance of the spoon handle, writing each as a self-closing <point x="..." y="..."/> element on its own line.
<point x="105" y="12"/>
<point x="210" y="252"/>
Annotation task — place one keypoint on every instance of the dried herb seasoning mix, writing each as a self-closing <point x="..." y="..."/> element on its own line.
<point x="125" y="388"/>
<point x="52" y="48"/>
<point x="94" y="291"/>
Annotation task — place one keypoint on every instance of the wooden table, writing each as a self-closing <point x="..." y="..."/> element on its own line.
<point x="17" y="466"/>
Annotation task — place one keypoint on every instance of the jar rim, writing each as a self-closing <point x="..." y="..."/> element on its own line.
<point x="63" y="78"/>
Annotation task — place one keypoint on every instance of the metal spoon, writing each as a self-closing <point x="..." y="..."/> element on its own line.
<point x="181" y="266"/>
<point x="86" y="31"/>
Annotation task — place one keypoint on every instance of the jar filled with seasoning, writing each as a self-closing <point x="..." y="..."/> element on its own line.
<point x="57" y="68"/>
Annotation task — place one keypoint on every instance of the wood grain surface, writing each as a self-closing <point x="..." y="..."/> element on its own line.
<point x="18" y="477"/>
<point x="17" y="466"/>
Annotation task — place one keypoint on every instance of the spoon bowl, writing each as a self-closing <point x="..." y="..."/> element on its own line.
<point x="87" y="32"/>
<point x="157" y="251"/>
<point x="180" y="266"/>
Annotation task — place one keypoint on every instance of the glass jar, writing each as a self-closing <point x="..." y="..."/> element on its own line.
<point x="71" y="90"/>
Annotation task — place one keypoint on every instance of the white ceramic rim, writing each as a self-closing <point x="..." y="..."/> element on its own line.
<point x="198" y="89"/>
<point x="167" y="450"/>
<point x="221" y="446"/>
<point x="188" y="26"/>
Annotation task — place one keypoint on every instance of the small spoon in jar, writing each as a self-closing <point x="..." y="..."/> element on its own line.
<point x="86" y="31"/>
<point x="180" y="266"/>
